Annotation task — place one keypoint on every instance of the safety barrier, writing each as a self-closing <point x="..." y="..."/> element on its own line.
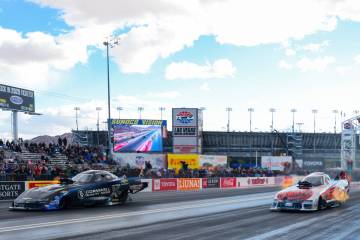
<point x="11" y="189"/>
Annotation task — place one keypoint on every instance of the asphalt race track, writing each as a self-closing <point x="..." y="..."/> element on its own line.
<point x="209" y="214"/>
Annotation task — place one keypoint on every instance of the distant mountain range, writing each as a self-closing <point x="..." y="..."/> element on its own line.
<point x="53" y="139"/>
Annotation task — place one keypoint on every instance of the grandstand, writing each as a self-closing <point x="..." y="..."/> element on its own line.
<point x="250" y="146"/>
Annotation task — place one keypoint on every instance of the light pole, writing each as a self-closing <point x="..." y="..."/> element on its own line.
<point x="140" y="109"/>
<point x="356" y="112"/>
<point x="272" y="110"/>
<point x="228" y="109"/>
<point x="161" y="109"/>
<point x="250" y="110"/>
<point x="119" y="110"/>
<point x="112" y="43"/>
<point x="98" y="109"/>
<point x="293" y="119"/>
<point x="314" y="111"/>
<point x="299" y="126"/>
<point x="76" y="117"/>
<point x="335" y="112"/>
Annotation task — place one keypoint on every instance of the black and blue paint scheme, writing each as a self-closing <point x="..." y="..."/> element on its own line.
<point x="88" y="188"/>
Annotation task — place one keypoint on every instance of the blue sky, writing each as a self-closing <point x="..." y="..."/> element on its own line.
<point x="191" y="53"/>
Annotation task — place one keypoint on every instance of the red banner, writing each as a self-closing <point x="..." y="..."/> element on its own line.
<point x="228" y="182"/>
<point x="165" y="184"/>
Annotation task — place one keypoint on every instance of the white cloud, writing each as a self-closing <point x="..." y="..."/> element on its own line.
<point x="166" y="95"/>
<point x="343" y="69"/>
<point x="318" y="64"/>
<point x="158" y="29"/>
<point x="316" y="47"/>
<point x="285" y="65"/>
<point x="35" y="59"/>
<point x="290" y="52"/>
<point x="357" y="59"/>
<point x="205" y="87"/>
<point x="221" y="68"/>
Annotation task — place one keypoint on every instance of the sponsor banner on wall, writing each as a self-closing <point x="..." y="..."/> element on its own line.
<point x="229" y="182"/>
<point x="210" y="182"/>
<point x="276" y="163"/>
<point x="175" y="161"/>
<point x="241" y="182"/>
<point x="313" y="165"/>
<point x="164" y="184"/>
<point x="11" y="190"/>
<point x="149" y="187"/>
<point x="137" y="160"/>
<point x="260" y="181"/>
<point x="186" y="184"/>
<point x="33" y="184"/>
<point x="207" y="161"/>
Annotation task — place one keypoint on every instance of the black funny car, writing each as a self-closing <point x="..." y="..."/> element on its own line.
<point x="88" y="188"/>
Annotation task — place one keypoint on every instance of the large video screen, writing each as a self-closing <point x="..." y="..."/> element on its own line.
<point x="138" y="135"/>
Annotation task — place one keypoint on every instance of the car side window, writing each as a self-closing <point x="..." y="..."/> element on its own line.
<point x="99" y="178"/>
<point x="327" y="180"/>
<point x="109" y="177"/>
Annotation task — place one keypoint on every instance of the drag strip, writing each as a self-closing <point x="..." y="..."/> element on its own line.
<point x="146" y="208"/>
<point x="208" y="214"/>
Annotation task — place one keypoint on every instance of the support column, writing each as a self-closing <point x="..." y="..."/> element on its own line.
<point x="14" y="116"/>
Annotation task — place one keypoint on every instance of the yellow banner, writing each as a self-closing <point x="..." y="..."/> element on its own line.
<point x="175" y="161"/>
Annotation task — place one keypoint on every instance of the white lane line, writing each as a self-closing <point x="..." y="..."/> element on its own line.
<point x="111" y="216"/>
<point x="287" y="229"/>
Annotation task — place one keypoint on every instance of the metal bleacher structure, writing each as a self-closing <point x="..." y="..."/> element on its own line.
<point x="25" y="155"/>
<point x="249" y="146"/>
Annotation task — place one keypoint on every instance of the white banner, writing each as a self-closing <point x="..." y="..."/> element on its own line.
<point x="213" y="161"/>
<point x="276" y="163"/>
<point x="138" y="159"/>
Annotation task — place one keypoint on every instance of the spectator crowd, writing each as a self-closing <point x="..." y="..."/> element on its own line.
<point x="81" y="158"/>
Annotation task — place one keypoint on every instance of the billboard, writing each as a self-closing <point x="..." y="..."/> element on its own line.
<point x="138" y="135"/>
<point x="313" y="165"/>
<point x="175" y="161"/>
<point x="209" y="161"/>
<point x="187" y="130"/>
<point x="13" y="98"/>
<point x="137" y="160"/>
<point x="277" y="163"/>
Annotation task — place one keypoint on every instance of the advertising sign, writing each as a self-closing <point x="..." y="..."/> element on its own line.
<point x="261" y="181"/>
<point x="187" y="126"/>
<point x="276" y="163"/>
<point x="210" y="182"/>
<point x="19" y="99"/>
<point x="313" y="165"/>
<point x="228" y="182"/>
<point x="186" y="184"/>
<point x="138" y="135"/>
<point x="33" y="184"/>
<point x="176" y="161"/>
<point x="137" y="160"/>
<point x="207" y="161"/>
<point x="165" y="184"/>
<point x="11" y="190"/>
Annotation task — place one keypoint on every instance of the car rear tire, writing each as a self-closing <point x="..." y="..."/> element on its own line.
<point x="64" y="203"/>
<point x="321" y="204"/>
<point x="123" y="197"/>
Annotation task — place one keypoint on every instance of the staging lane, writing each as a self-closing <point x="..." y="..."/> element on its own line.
<point x="240" y="218"/>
